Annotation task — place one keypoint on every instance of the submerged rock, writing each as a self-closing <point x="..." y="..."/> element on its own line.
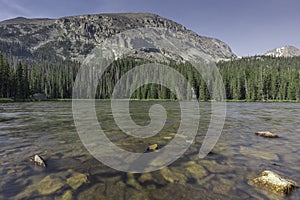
<point x="94" y="192"/>
<point x="38" y="160"/>
<point x="257" y="153"/>
<point x="266" y="134"/>
<point x="49" y="185"/>
<point x="67" y="195"/>
<point x="132" y="181"/>
<point x="145" y="177"/>
<point x="275" y="182"/>
<point x="196" y="170"/>
<point x="76" y="180"/>
<point x="173" y="176"/>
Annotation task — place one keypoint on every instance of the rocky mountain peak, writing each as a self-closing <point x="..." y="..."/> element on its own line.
<point x="74" y="37"/>
<point x="285" y="51"/>
<point x="23" y="20"/>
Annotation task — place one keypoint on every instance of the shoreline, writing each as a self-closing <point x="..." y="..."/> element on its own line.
<point x="11" y="100"/>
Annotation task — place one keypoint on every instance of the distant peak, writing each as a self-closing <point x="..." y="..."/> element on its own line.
<point x="285" y="51"/>
<point x="23" y="20"/>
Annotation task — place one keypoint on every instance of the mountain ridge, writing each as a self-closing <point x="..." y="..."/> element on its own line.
<point x="285" y="51"/>
<point x="73" y="37"/>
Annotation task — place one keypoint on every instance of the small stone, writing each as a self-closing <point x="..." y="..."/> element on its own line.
<point x="38" y="160"/>
<point x="11" y="171"/>
<point x="152" y="147"/>
<point x="266" y="134"/>
<point x="275" y="182"/>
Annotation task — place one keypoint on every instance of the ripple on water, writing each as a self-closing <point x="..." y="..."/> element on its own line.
<point x="47" y="129"/>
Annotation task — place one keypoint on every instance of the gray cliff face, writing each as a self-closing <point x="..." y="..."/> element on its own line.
<point x="285" y="51"/>
<point x="75" y="37"/>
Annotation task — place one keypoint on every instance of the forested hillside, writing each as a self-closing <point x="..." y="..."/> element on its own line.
<point x="21" y="80"/>
<point x="251" y="79"/>
<point x="262" y="78"/>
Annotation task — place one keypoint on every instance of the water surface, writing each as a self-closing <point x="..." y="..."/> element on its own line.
<point x="47" y="129"/>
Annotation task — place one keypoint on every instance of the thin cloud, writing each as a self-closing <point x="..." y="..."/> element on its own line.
<point x="10" y="8"/>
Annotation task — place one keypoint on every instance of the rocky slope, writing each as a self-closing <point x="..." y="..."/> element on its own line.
<point x="74" y="37"/>
<point x="286" y="51"/>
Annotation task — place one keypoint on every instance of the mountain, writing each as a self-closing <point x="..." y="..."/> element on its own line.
<point x="76" y="36"/>
<point x="286" y="51"/>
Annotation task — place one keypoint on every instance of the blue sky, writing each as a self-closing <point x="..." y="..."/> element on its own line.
<point x="249" y="26"/>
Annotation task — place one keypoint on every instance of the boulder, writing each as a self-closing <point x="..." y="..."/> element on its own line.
<point x="274" y="182"/>
<point x="266" y="134"/>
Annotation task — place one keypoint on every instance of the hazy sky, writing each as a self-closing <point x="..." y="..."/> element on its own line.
<point x="249" y="26"/>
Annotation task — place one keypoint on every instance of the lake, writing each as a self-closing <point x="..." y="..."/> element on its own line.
<point x="48" y="129"/>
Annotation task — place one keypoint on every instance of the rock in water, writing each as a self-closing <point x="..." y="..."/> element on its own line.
<point x="76" y="180"/>
<point x="38" y="160"/>
<point x="275" y="182"/>
<point x="266" y="134"/>
<point x="152" y="147"/>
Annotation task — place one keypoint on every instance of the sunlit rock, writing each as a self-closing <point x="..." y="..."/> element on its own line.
<point x="38" y="160"/>
<point x="275" y="182"/>
<point x="266" y="134"/>
<point x="152" y="147"/>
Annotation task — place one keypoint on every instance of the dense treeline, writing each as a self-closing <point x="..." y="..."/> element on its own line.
<point x="153" y="91"/>
<point x="22" y="80"/>
<point x="262" y="78"/>
<point x="252" y="79"/>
